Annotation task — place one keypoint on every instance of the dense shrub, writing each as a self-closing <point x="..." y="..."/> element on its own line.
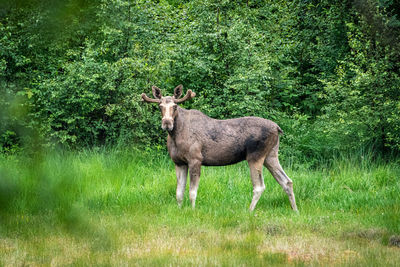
<point x="326" y="71"/>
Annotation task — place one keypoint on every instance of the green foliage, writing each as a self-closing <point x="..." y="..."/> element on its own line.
<point x="363" y="100"/>
<point x="326" y="71"/>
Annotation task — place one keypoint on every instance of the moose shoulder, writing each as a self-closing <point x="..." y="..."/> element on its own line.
<point x="195" y="139"/>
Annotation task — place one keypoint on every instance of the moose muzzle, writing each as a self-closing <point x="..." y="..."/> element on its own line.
<point x="167" y="124"/>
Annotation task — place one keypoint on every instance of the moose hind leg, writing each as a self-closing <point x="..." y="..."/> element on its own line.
<point x="258" y="182"/>
<point x="181" y="178"/>
<point x="273" y="165"/>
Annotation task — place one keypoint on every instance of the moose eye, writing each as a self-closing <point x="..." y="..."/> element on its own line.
<point x="175" y="107"/>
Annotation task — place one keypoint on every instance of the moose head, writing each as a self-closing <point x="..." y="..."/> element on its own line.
<point x="168" y="104"/>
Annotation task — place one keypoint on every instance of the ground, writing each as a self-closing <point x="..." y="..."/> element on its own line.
<point x="118" y="208"/>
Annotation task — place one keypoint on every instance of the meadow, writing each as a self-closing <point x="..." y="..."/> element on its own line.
<point x="117" y="207"/>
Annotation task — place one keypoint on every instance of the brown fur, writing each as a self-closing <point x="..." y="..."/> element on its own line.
<point x="195" y="139"/>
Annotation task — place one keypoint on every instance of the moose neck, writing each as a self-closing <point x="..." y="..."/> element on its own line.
<point x="179" y="123"/>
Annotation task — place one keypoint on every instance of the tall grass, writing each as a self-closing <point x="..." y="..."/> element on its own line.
<point x="117" y="206"/>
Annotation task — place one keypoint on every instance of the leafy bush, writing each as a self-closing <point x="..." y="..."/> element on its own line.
<point x="326" y="71"/>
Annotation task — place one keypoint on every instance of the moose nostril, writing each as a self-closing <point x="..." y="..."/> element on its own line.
<point x="167" y="124"/>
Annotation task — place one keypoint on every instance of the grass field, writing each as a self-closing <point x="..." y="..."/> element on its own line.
<point x="117" y="207"/>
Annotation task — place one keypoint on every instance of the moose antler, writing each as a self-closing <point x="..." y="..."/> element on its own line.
<point x="189" y="95"/>
<point x="150" y="100"/>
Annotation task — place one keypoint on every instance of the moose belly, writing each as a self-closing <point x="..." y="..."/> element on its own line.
<point x="219" y="155"/>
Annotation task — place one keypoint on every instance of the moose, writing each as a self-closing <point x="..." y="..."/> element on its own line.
<point x="195" y="139"/>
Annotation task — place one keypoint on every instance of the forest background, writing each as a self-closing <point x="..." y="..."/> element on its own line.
<point x="85" y="178"/>
<point x="72" y="71"/>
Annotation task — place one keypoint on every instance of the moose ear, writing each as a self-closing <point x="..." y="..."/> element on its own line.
<point x="178" y="91"/>
<point x="156" y="92"/>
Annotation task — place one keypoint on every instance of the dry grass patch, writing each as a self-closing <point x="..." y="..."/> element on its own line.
<point x="52" y="250"/>
<point x="156" y="243"/>
<point x="309" y="248"/>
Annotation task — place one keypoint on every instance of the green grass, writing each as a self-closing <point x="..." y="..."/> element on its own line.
<point x="117" y="207"/>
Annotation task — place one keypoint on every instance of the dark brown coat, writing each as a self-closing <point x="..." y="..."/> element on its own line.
<point x="220" y="142"/>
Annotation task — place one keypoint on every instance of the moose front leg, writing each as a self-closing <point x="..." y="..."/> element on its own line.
<point x="194" y="169"/>
<point x="181" y="178"/>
